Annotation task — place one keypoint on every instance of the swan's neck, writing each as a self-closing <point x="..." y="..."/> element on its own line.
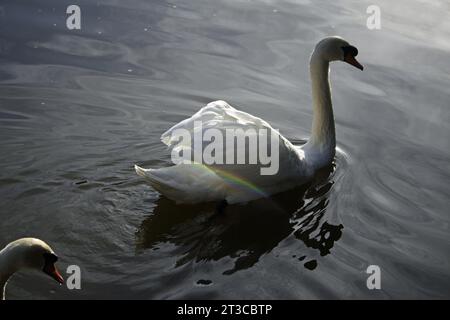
<point x="322" y="144"/>
<point x="10" y="262"/>
<point x="3" y="283"/>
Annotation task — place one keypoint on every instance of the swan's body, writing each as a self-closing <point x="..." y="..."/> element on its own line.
<point x="194" y="182"/>
<point x="29" y="253"/>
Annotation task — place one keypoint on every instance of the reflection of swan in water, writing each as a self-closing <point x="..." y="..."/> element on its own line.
<point x="245" y="233"/>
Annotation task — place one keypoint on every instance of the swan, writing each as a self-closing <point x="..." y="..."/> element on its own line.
<point x="27" y="253"/>
<point x="194" y="182"/>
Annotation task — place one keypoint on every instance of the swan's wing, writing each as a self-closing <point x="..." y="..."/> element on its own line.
<point x="220" y="117"/>
<point x="216" y="114"/>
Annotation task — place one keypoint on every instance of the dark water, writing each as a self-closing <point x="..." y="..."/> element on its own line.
<point x="79" y="108"/>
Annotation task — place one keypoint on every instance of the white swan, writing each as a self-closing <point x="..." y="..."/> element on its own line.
<point x="27" y="253"/>
<point x="194" y="182"/>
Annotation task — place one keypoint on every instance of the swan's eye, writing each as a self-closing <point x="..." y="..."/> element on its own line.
<point x="50" y="258"/>
<point x="350" y="50"/>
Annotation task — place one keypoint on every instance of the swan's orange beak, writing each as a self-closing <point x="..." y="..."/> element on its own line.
<point x="350" y="59"/>
<point x="51" y="270"/>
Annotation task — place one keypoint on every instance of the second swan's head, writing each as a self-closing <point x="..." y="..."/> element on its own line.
<point x="336" y="49"/>
<point x="34" y="254"/>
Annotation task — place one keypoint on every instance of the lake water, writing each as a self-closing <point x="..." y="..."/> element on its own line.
<point x="78" y="108"/>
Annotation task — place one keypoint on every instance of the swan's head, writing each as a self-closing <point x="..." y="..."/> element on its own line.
<point x="34" y="254"/>
<point x="337" y="49"/>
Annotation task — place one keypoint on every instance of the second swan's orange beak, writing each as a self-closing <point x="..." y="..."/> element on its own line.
<point x="352" y="60"/>
<point x="51" y="270"/>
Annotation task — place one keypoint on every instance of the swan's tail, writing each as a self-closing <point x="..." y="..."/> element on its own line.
<point x="140" y="171"/>
<point x="188" y="183"/>
<point x="156" y="178"/>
